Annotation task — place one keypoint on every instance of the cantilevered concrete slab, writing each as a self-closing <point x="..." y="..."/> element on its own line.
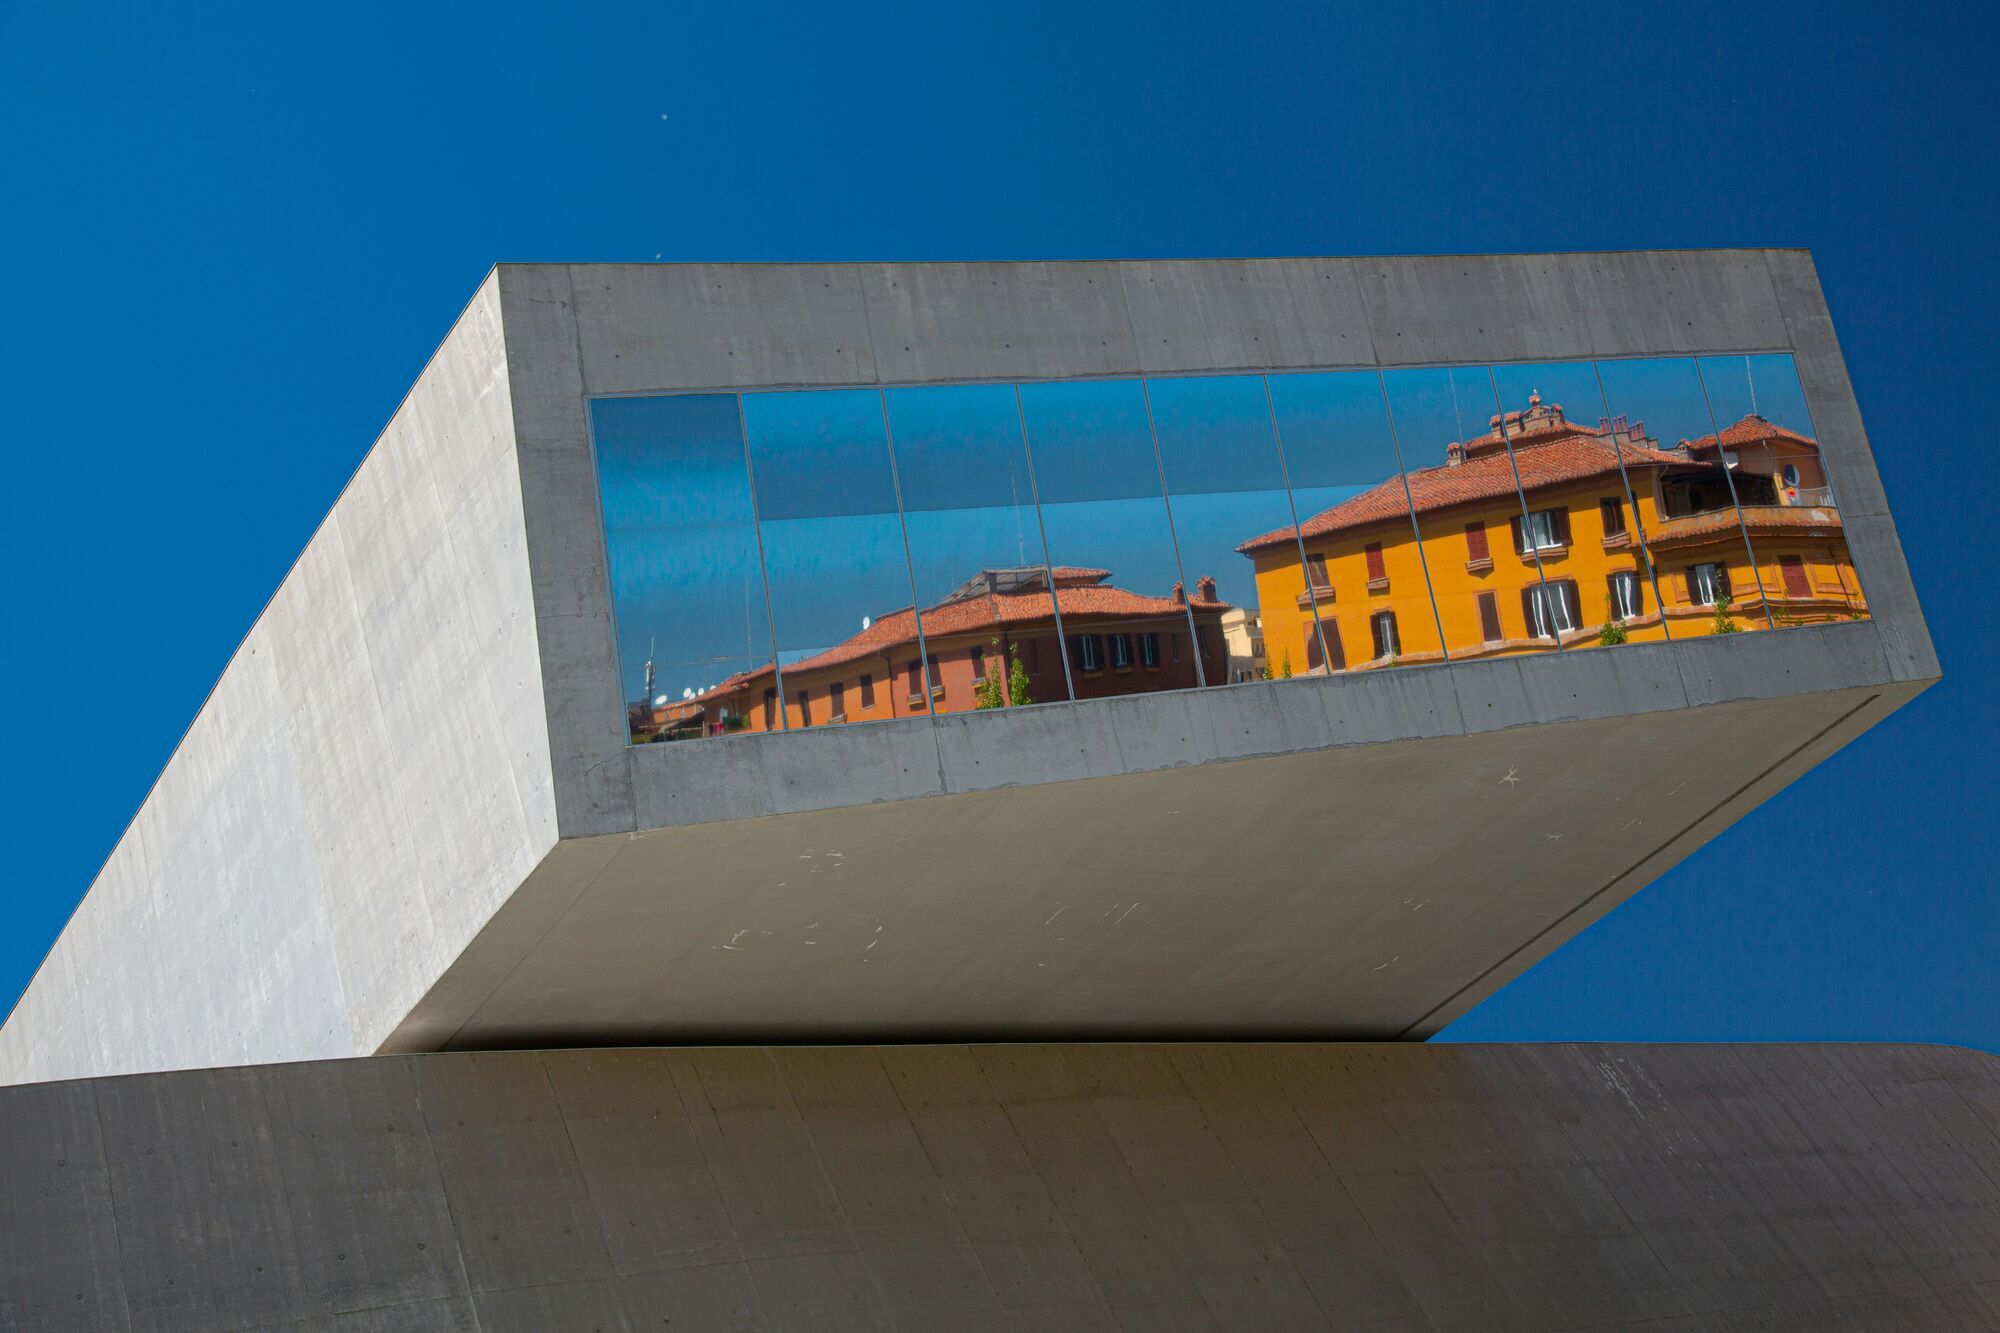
<point x="408" y="816"/>
<point x="1392" y="1187"/>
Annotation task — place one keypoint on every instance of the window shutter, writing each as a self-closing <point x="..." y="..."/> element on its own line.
<point x="1687" y="586"/>
<point x="1567" y="591"/>
<point x="1528" y="610"/>
<point x="1722" y="581"/>
<point x="1520" y="536"/>
<point x="1376" y="569"/>
<point x="1475" y="542"/>
<point x="1794" y="571"/>
<point x="1314" y="655"/>
<point x="1316" y="571"/>
<point x="1336" y="655"/>
<point x="1560" y="517"/>
<point x="1489" y="617"/>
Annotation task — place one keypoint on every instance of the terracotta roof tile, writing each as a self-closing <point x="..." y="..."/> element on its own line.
<point x="1574" y="454"/>
<point x="1752" y="429"/>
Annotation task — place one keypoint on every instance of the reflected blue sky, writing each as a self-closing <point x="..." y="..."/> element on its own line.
<point x="679" y="540"/>
<point x="1766" y="385"/>
<point x="826" y="506"/>
<point x="1223" y="475"/>
<point x="1664" y="394"/>
<point x="1335" y="433"/>
<point x="1099" y="482"/>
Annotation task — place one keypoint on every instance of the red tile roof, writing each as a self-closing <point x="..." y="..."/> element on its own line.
<point x="1080" y="596"/>
<point x="1574" y="454"/>
<point x="1752" y="429"/>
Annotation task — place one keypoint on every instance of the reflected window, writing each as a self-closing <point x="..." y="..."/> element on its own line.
<point x="1625" y="598"/>
<point x="1111" y="541"/>
<point x="687" y="589"/>
<point x="1708" y="584"/>
<point x="1552" y="609"/>
<point x="1542" y="530"/>
<point x="1149" y="650"/>
<point x="1387" y="642"/>
<point x="834" y="554"/>
<point x="1611" y="512"/>
<point x="984" y="584"/>
<point x="1489" y="618"/>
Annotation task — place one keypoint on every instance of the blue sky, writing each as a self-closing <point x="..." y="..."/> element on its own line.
<point x="237" y="233"/>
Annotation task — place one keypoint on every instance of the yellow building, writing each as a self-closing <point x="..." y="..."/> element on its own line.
<point x="1575" y="567"/>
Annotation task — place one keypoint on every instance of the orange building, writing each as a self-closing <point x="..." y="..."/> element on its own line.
<point x="1119" y="642"/>
<point x="1575" y="568"/>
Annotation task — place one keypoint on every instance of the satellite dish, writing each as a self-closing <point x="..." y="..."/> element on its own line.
<point x="1729" y="458"/>
<point x="687" y="694"/>
<point x="661" y="702"/>
<point x="866" y="621"/>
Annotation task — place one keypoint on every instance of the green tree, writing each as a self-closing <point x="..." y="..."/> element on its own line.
<point x="1018" y="690"/>
<point x="1613" y="631"/>
<point x="1724" y="622"/>
<point x="1285" y="667"/>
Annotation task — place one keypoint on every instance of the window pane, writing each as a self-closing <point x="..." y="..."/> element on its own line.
<point x="1347" y="486"/>
<point x="687" y="592"/>
<point x="1575" y="464"/>
<point x="833" y="546"/>
<point x="1109" y="539"/>
<point x="1788" y="500"/>
<point x="982" y="573"/>
<point x="1226" y="482"/>
<point x="1684" y="495"/>
<point x="1476" y="532"/>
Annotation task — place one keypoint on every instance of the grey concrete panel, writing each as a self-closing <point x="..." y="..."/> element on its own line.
<point x="784" y="772"/>
<point x="511" y="1175"/>
<point x="1388" y="1186"/>
<point x="1572" y="685"/>
<point x="1250" y="313"/>
<point x="366" y="1199"/>
<point x="652" y="326"/>
<point x="997" y="321"/>
<point x="200" y="1145"/>
<point x="58" y="1235"/>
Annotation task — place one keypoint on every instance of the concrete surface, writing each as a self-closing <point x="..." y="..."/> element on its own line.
<point x="1384" y="1186"/>
<point x="1351" y="892"/>
<point x="415" y="764"/>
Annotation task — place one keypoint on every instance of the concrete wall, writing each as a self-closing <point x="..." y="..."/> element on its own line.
<point x="431" y="700"/>
<point x="1145" y="1187"/>
<point x="368" y="782"/>
<point x="603" y="329"/>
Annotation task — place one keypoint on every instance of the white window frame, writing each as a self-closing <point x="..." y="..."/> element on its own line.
<point x="1543" y="596"/>
<point x="1623" y="607"/>
<point x="1704" y="583"/>
<point x="1538" y="530"/>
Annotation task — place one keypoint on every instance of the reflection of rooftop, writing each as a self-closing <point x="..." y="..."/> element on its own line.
<point x="1548" y="450"/>
<point x="1548" y="458"/>
<point x="1752" y="429"/>
<point x="1758" y="519"/>
<point x="997" y="599"/>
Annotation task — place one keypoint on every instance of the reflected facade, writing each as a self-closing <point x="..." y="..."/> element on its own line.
<point x="821" y="557"/>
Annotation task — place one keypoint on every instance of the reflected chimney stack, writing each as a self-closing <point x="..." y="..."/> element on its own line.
<point x="1204" y="588"/>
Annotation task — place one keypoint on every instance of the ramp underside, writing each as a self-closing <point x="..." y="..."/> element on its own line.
<point x="1368" y="891"/>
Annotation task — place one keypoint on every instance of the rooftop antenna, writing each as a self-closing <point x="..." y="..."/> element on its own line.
<point x="1749" y="375"/>
<point x="651" y="644"/>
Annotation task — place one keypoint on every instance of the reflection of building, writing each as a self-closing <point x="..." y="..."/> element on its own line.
<point x="1575" y="564"/>
<point x="1119" y="642"/>
<point x="1244" y="634"/>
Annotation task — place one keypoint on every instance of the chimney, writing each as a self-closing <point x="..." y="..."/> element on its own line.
<point x="1180" y="595"/>
<point x="1204" y="588"/>
<point x="1454" y="454"/>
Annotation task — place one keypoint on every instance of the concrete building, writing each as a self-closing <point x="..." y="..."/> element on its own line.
<point x="411" y="822"/>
